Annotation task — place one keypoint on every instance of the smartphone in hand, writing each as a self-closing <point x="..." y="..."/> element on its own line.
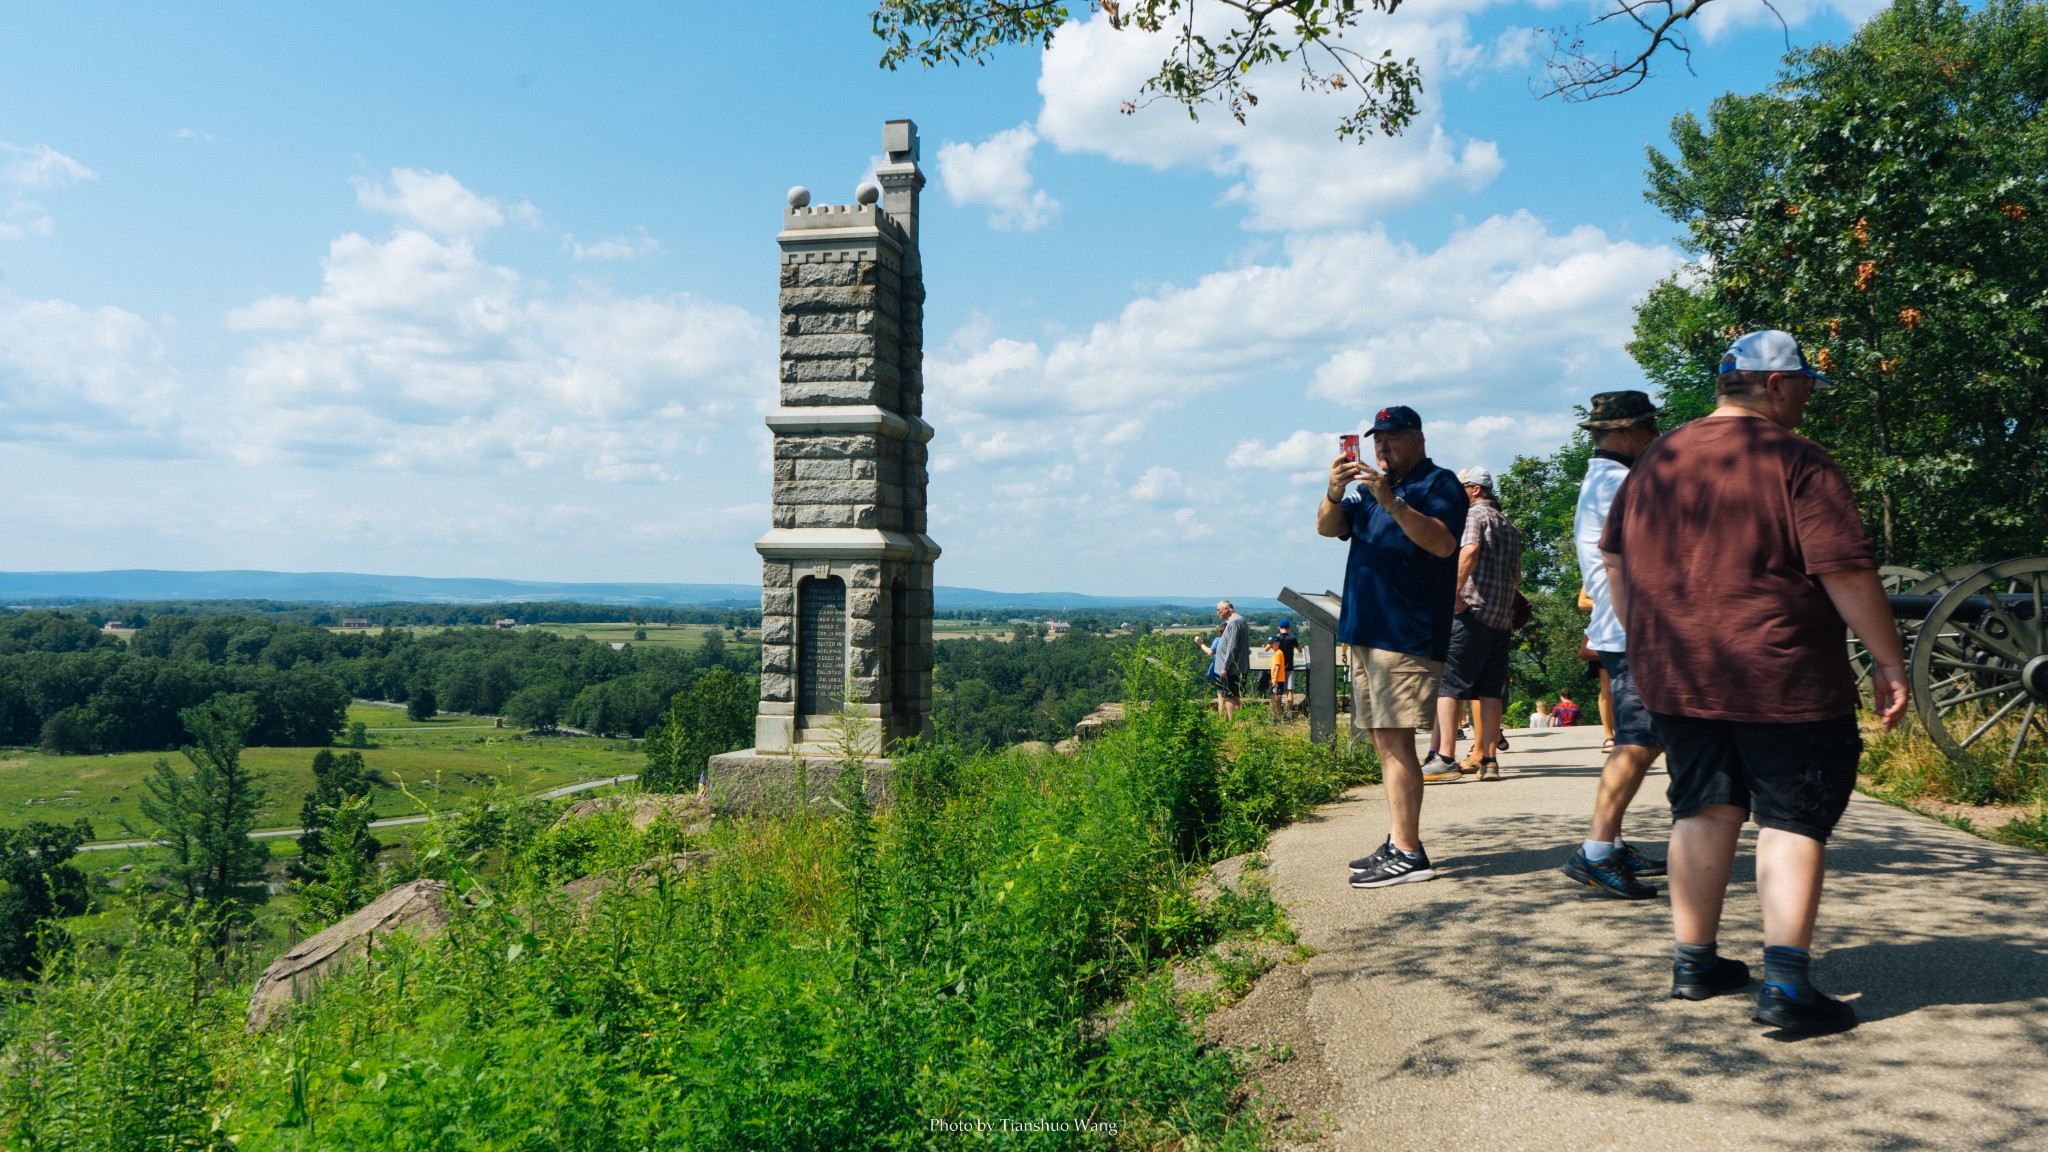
<point x="1349" y="442"/>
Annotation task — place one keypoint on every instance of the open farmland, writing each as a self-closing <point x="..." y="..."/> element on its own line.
<point x="440" y="761"/>
<point x="684" y="637"/>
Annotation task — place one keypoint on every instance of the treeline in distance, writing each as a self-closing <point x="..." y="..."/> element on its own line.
<point x="71" y="687"/>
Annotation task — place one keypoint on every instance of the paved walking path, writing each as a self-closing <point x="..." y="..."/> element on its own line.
<point x="1503" y="1007"/>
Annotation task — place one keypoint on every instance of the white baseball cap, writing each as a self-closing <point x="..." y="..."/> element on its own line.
<point x="1769" y="350"/>
<point x="1476" y="475"/>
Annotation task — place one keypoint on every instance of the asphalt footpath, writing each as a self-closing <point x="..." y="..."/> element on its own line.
<point x="1503" y="1006"/>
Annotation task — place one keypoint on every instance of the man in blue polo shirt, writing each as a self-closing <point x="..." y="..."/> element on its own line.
<point x="1400" y="586"/>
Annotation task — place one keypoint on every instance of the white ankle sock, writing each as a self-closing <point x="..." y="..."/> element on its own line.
<point x="1597" y="850"/>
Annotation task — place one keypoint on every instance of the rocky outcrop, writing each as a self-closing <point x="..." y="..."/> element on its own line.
<point x="585" y="890"/>
<point x="1092" y="726"/>
<point x="419" y="907"/>
<point x="643" y="809"/>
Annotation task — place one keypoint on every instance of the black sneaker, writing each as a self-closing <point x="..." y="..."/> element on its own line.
<point x="1368" y="863"/>
<point x="1397" y="868"/>
<point x="1724" y="975"/>
<point x="1811" y="1011"/>
<point x="1611" y="876"/>
<point x="1640" y="864"/>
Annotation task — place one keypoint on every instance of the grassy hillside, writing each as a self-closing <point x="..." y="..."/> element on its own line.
<point x="441" y="761"/>
<point x="997" y="945"/>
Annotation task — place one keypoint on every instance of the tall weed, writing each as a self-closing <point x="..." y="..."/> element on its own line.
<point x="988" y="948"/>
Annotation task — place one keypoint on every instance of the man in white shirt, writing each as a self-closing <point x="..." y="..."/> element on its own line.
<point x="1622" y="424"/>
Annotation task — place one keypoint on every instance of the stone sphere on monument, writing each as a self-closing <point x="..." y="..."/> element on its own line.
<point x="799" y="197"/>
<point x="867" y="193"/>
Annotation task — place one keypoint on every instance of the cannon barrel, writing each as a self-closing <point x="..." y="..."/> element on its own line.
<point x="1970" y="609"/>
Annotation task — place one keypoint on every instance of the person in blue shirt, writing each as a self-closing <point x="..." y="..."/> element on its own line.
<point x="1400" y="586"/>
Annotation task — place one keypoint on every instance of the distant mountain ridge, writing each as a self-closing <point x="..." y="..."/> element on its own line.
<point x="361" y="588"/>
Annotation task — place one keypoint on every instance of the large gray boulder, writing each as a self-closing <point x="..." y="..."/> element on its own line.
<point x="419" y="907"/>
<point x="638" y="878"/>
<point x="643" y="809"/>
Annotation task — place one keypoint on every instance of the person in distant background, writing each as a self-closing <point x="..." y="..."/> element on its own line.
<point x="1541" y="717"/>
<point x="1482" y="628"/>
<point x="1565" y="713"/>
<point x="1229" y="658"/>
<point x="1283" y="647"/>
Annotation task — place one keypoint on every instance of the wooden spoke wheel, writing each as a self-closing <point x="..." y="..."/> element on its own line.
<point x="1896" y="578"/>
<point x="1980" y="667"/>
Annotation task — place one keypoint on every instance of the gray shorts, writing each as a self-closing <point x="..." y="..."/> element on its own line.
<point x="1632" y="724"/>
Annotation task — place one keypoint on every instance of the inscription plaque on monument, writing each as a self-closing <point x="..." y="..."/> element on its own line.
<point x="820" y="646"/>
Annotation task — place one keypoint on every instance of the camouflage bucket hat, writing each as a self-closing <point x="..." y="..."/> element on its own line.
<point x="1613" y="410"/>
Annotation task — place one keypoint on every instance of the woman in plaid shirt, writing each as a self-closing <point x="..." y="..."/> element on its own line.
<point x="1489" y="570"/>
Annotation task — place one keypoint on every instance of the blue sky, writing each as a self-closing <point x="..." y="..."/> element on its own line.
<point x="487" y="290"/>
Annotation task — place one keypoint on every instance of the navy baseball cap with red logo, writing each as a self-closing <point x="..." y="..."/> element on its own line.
<point x="1399" y="418"/>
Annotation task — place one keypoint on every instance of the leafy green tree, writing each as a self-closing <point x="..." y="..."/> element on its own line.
<point x="420" y="705"/>
<point x="204" y="819"/>
<point x="715" y="714"/>
<point x="538" y="706"/>
<point x="337" y="779"/>
<point x="358" y="734"/>
<point x="343" y="877"/>
<point x="1884" y="204"/>
<point x="37" y="885"/>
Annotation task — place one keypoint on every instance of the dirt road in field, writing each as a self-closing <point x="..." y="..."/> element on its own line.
<point x="1503" y="1007"/>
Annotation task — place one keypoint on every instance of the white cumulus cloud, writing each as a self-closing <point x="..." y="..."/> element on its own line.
<point x="437" y="203"/>
<point x="612" y="247"/>
<point x="996" y="174"/>
<point x="27" y="170"/>
<point x="89" y="377"/>
<point x="419" y="354"/>
<point x="1292" y="172"/>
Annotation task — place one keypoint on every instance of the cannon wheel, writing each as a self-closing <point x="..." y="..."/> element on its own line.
<point x="1896" y="578"/>
<point x="1980" y="680"/>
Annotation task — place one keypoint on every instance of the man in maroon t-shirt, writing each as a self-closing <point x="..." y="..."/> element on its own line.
<point x="1735" y="557"/>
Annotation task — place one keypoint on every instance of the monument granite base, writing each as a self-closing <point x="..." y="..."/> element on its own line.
<point x="751" y="781"/>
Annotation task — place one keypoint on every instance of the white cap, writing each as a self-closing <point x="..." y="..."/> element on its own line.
<point x="1476" y="475"/>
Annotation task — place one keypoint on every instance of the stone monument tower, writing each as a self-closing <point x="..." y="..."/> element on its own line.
<point x="846" y="568"/>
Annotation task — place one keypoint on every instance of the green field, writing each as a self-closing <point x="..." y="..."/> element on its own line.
<point x="440" y="761"/>
<point x="688" y="637"/>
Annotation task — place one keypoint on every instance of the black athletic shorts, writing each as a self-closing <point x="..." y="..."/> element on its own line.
<point x="1477" y="666"/>
<point x="1228" y="683"/>
<point x="1793" y="777"/>
<point x="1632" y="724"/>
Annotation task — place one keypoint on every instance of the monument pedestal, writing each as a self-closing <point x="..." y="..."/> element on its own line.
<point x="754" y="781"/>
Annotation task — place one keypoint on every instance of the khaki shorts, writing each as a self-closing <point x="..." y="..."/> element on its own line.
<point x="1392" y="689"/>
